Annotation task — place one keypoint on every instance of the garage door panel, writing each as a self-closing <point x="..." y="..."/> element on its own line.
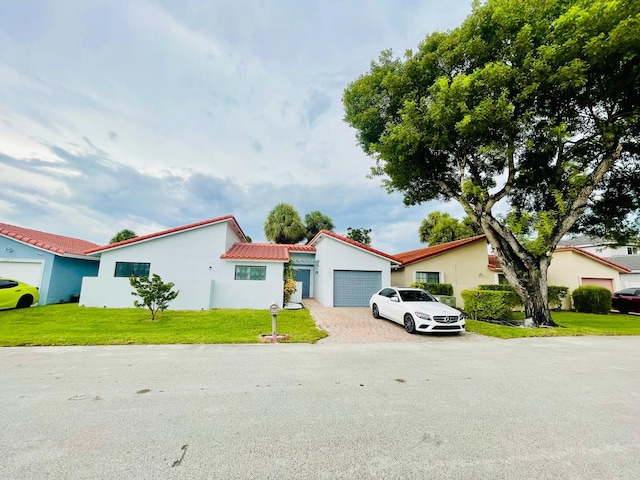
<point x="25" y="271"/>
<point x="353" y="288"/>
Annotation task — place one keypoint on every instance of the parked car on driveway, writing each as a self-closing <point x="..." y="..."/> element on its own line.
<point x="627" y="300"/>
<point x="16" y="294"/>
<point x="416" y="309"/>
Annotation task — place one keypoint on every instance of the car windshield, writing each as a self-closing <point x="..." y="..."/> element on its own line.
<point x="415" y="296"/>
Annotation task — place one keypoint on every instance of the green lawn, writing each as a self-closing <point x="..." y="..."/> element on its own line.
<point x="573" y="324"/>
<point x="71" y="324"/>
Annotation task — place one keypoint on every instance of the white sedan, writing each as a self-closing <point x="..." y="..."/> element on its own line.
<point x="417" y="310"/>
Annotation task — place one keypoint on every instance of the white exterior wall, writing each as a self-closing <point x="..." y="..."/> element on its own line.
<point x="630" y="280"/>
<point x="191" y="260"/>
<point x="332" y="254"/>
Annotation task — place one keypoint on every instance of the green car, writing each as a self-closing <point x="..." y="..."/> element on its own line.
<point x="16" y="294"/>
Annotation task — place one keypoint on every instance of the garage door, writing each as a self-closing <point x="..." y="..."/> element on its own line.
<point x="27" y="272"/>
<point x="599" y="282"/>
<point x="353" y="288"/>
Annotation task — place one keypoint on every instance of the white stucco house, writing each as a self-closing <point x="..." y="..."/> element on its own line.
<point x="213" y="266"/>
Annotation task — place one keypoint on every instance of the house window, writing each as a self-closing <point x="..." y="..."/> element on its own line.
<point x="632" y="250"/>
<point x="502" y="280"/>
<point x="250" y="273"/>
<point x="428" y="277"/>
<point x="127" y="269"/>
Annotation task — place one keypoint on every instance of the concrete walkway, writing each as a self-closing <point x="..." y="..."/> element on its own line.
<point x="357" y="325"/>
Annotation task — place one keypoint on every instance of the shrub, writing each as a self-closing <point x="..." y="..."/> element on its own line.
<point x="556" y="294"/>
<point x="155" y="294"/>
<point x="435" y="288"/>
<point x="290" y="288"/>
<point x="489" y="304"/>
<point x="592" y="299"/>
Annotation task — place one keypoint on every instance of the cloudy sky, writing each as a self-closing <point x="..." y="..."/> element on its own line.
<point x="151" y="114"/>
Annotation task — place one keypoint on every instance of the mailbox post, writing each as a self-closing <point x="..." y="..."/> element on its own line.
<point x="273" y="310"/>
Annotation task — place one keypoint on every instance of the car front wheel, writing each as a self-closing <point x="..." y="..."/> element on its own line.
<point x="375" y="311"/>
<point x="409" y="324"/>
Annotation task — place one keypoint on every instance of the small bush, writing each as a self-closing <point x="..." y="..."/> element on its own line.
<point x="501" y="287"/>
<point x="435" y="288"/>
<point x="592" y="299"/>
<point x="488" y="304"/>
<point x="556" y="294"/>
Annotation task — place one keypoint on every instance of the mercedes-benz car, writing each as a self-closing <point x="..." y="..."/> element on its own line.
<point x="16" y="294"/>
<point x="417" y="310"/>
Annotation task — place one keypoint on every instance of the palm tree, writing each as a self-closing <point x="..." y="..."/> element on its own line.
<point x="283" y="225"/>
<point x="316" y="221"/>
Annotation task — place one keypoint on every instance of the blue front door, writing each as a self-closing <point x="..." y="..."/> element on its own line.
<point x="303" y="275"/>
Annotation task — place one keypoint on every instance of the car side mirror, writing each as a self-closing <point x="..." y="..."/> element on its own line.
<point x="394" y="299"/>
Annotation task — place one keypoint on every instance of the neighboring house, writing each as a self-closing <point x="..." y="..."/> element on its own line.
<point x="599" y="246"/>
<point x="213" y="266"/>
<point x="465" y="265"/>
<point x="574" y="267"/>
<point x="632" y="263"/>
<point x="462" y="263"/>
<point x="54" y="263"/>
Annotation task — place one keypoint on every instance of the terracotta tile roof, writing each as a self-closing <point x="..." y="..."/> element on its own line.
<point x="57" y="244"/>
<point x="413" y="256"/>
<point x="301" y="248"/>
<point x="257" y="251"/>
<point x="226" y="218"/>
<point x="494" y="263"/>
<point x="352" y="242"/>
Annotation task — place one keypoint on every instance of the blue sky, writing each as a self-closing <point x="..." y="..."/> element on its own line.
<point x="153" y="114"/>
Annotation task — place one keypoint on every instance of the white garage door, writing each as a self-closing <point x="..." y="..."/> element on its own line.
<point x="353" y="288"/>
<point x="25" y="271"/>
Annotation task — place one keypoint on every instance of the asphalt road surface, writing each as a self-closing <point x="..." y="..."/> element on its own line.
<point x="557" y="408"/>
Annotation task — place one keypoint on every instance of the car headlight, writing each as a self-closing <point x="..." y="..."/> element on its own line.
<point x="423" y="316"/>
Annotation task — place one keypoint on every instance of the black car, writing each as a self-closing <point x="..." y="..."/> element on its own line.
<point x="627" y="300"/>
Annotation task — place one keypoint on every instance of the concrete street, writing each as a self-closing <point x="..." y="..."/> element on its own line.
<point x="464" y="408"/>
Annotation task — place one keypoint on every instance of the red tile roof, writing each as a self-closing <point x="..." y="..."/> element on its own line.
<point x="413" y="256"/>
<point x="494" y="263"/>
<point x="263" y="251"/>
<point x="226" y="218"/>
<point x="57" y="244"/>
<point x="257" y="251"/>
<point x="352" y="242"/>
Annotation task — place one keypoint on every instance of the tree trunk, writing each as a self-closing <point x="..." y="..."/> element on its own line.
<point x="526" y="273"/>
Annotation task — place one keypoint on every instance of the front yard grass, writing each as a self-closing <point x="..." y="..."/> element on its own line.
<point x="572" y="324"/>
<point x="71" y="324"/>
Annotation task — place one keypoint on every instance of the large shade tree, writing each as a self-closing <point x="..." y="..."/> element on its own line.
<point x="283" y="225"/>
<point x="531" y="106"/>
<point x="441" y="227"/>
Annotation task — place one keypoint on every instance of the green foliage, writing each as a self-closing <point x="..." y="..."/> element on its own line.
<point x="489" y="304"/>
<point x="316" y="221"/>
<point x="556" y="294"/>
<point x="289" y="289"/>
<point x="435" y="288"/>
<point x="440" y="228"/>
<point x="530" y="103"/>
<point x="592" y="299"/>
<point x="154" y="294"/>
<point x="360" y="235"/>
<point x="283" y="225"/>
<point x="123" y="235"/>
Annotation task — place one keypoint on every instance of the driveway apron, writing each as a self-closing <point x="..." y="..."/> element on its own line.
<point x="357" y="325"/>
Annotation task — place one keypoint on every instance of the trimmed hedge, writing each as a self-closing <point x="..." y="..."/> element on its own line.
<point x="489" y="304"/>
<point x="592" y="299"/>
<point x="435" y="288"/>
<point x="555" y="293"/>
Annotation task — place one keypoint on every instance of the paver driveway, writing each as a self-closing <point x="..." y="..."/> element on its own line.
<point x="357" y="325"/>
